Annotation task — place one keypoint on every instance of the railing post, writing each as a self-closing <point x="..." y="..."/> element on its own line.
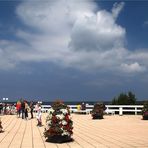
<point x="120" y="111"/>
<point x="135" y="110"/>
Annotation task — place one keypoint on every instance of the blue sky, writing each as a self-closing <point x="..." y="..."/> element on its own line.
<point x="73" y="49"/>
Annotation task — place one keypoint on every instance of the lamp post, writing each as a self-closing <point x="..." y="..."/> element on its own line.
<point x="39" y="102"/>
<point x="5" y="99"/>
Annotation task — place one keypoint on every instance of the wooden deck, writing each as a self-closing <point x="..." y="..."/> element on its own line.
<point x="113" y="131"/>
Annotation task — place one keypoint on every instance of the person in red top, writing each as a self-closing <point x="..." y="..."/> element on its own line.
<point x="18" y="108"/>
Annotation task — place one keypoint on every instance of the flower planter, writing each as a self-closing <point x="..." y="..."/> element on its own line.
<point x="58" y="124"/>
<point x="59" y="139"/>
<point x="98" y="111"/>
<point x="145" y="110"/>
<point x="97" y="116"/>
<point x="145" y="115"/>
<point x="1" y="128"/>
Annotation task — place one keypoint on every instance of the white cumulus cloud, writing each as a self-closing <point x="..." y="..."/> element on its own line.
<point x="117" y="7"/>
<point x="73" y="33"/>
<point x="134" y="67"/>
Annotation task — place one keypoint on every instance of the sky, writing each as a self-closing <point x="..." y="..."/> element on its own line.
<point x="74" y="50"/>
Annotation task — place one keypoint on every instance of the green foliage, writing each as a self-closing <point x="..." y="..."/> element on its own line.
<point x="58" y="104"/>
<point x="124" y="99"/>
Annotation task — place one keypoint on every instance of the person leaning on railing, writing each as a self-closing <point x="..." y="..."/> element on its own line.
<point x="78" y="107"/>
<point x="83" y="106"/>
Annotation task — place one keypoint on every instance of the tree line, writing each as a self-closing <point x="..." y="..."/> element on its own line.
<point x="125" y="99"/>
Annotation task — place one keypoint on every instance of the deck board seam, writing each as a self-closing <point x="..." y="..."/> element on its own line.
<point x="41" y="137"/>
<point x="8" y="131"/>
<point x="32" y="134"/>
<point x="15" y="134"/>
<point x="116" y="134"/>
<point x="23" y="135"/>
<point x="109" y="137"/>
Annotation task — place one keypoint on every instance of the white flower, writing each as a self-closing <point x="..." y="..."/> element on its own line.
<point x="49" y="116"/>
<point x="64" y="111"/>
<point x="50" y="111"/>
<point x="70" y="117"/>
<point x="49" y="122"/>
<point x="65" y="133"/>
<point x="64" y="122"/>
<point x="47" y="127"/>
<point x="61" y="116"/>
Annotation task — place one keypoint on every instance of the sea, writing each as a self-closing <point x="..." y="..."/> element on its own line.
<point x="72" y="102"/>
<point x="65" y="102"/>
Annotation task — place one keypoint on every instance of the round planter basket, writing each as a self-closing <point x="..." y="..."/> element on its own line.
<point x="59" y="139"/>
<point x="145" y="115"/>
<point x="97" y="116"/>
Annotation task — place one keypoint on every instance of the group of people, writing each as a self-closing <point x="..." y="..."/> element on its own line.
<point x="81" y="107"/>
<point x="7" y="109"/>
<point x="23" y="108"/>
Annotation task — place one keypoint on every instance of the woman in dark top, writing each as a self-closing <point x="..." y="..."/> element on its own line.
<point x="26" y="110"/>
<point x="31" y="109"/>
<point x="23" y="108"/>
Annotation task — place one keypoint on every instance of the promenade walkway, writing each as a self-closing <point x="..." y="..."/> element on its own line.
<point x="127" y="131"/>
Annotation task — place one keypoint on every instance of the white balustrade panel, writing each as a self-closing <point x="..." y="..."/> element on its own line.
<point x="111" y="109"/>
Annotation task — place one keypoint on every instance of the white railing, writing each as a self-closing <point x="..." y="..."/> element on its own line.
<point x="125" y="108"/>
<point x="120" y="109"/>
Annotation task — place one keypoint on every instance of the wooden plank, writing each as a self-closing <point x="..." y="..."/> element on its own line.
<point x="18" y="137"/>
<point x="112" y="131"/>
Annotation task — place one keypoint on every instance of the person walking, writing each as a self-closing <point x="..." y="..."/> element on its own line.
<point x="31" y="109"/>
<point x="39" y="115"/>
<point x="18" y="108"/>
<point x="26" y="110"/>
<point x="5" y="109"/>
<point x="1" y="108"/>
<point x="23" y="108"/>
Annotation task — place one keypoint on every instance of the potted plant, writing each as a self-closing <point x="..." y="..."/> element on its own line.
<point x="59" y="125"/>
<point x="145" y="111"/>
<point x="1" y="128"/>
<point x="98" y="111"/>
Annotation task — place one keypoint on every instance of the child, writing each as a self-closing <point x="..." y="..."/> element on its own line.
<point x="39" y="115"/>
<point x="1" y="128"/>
